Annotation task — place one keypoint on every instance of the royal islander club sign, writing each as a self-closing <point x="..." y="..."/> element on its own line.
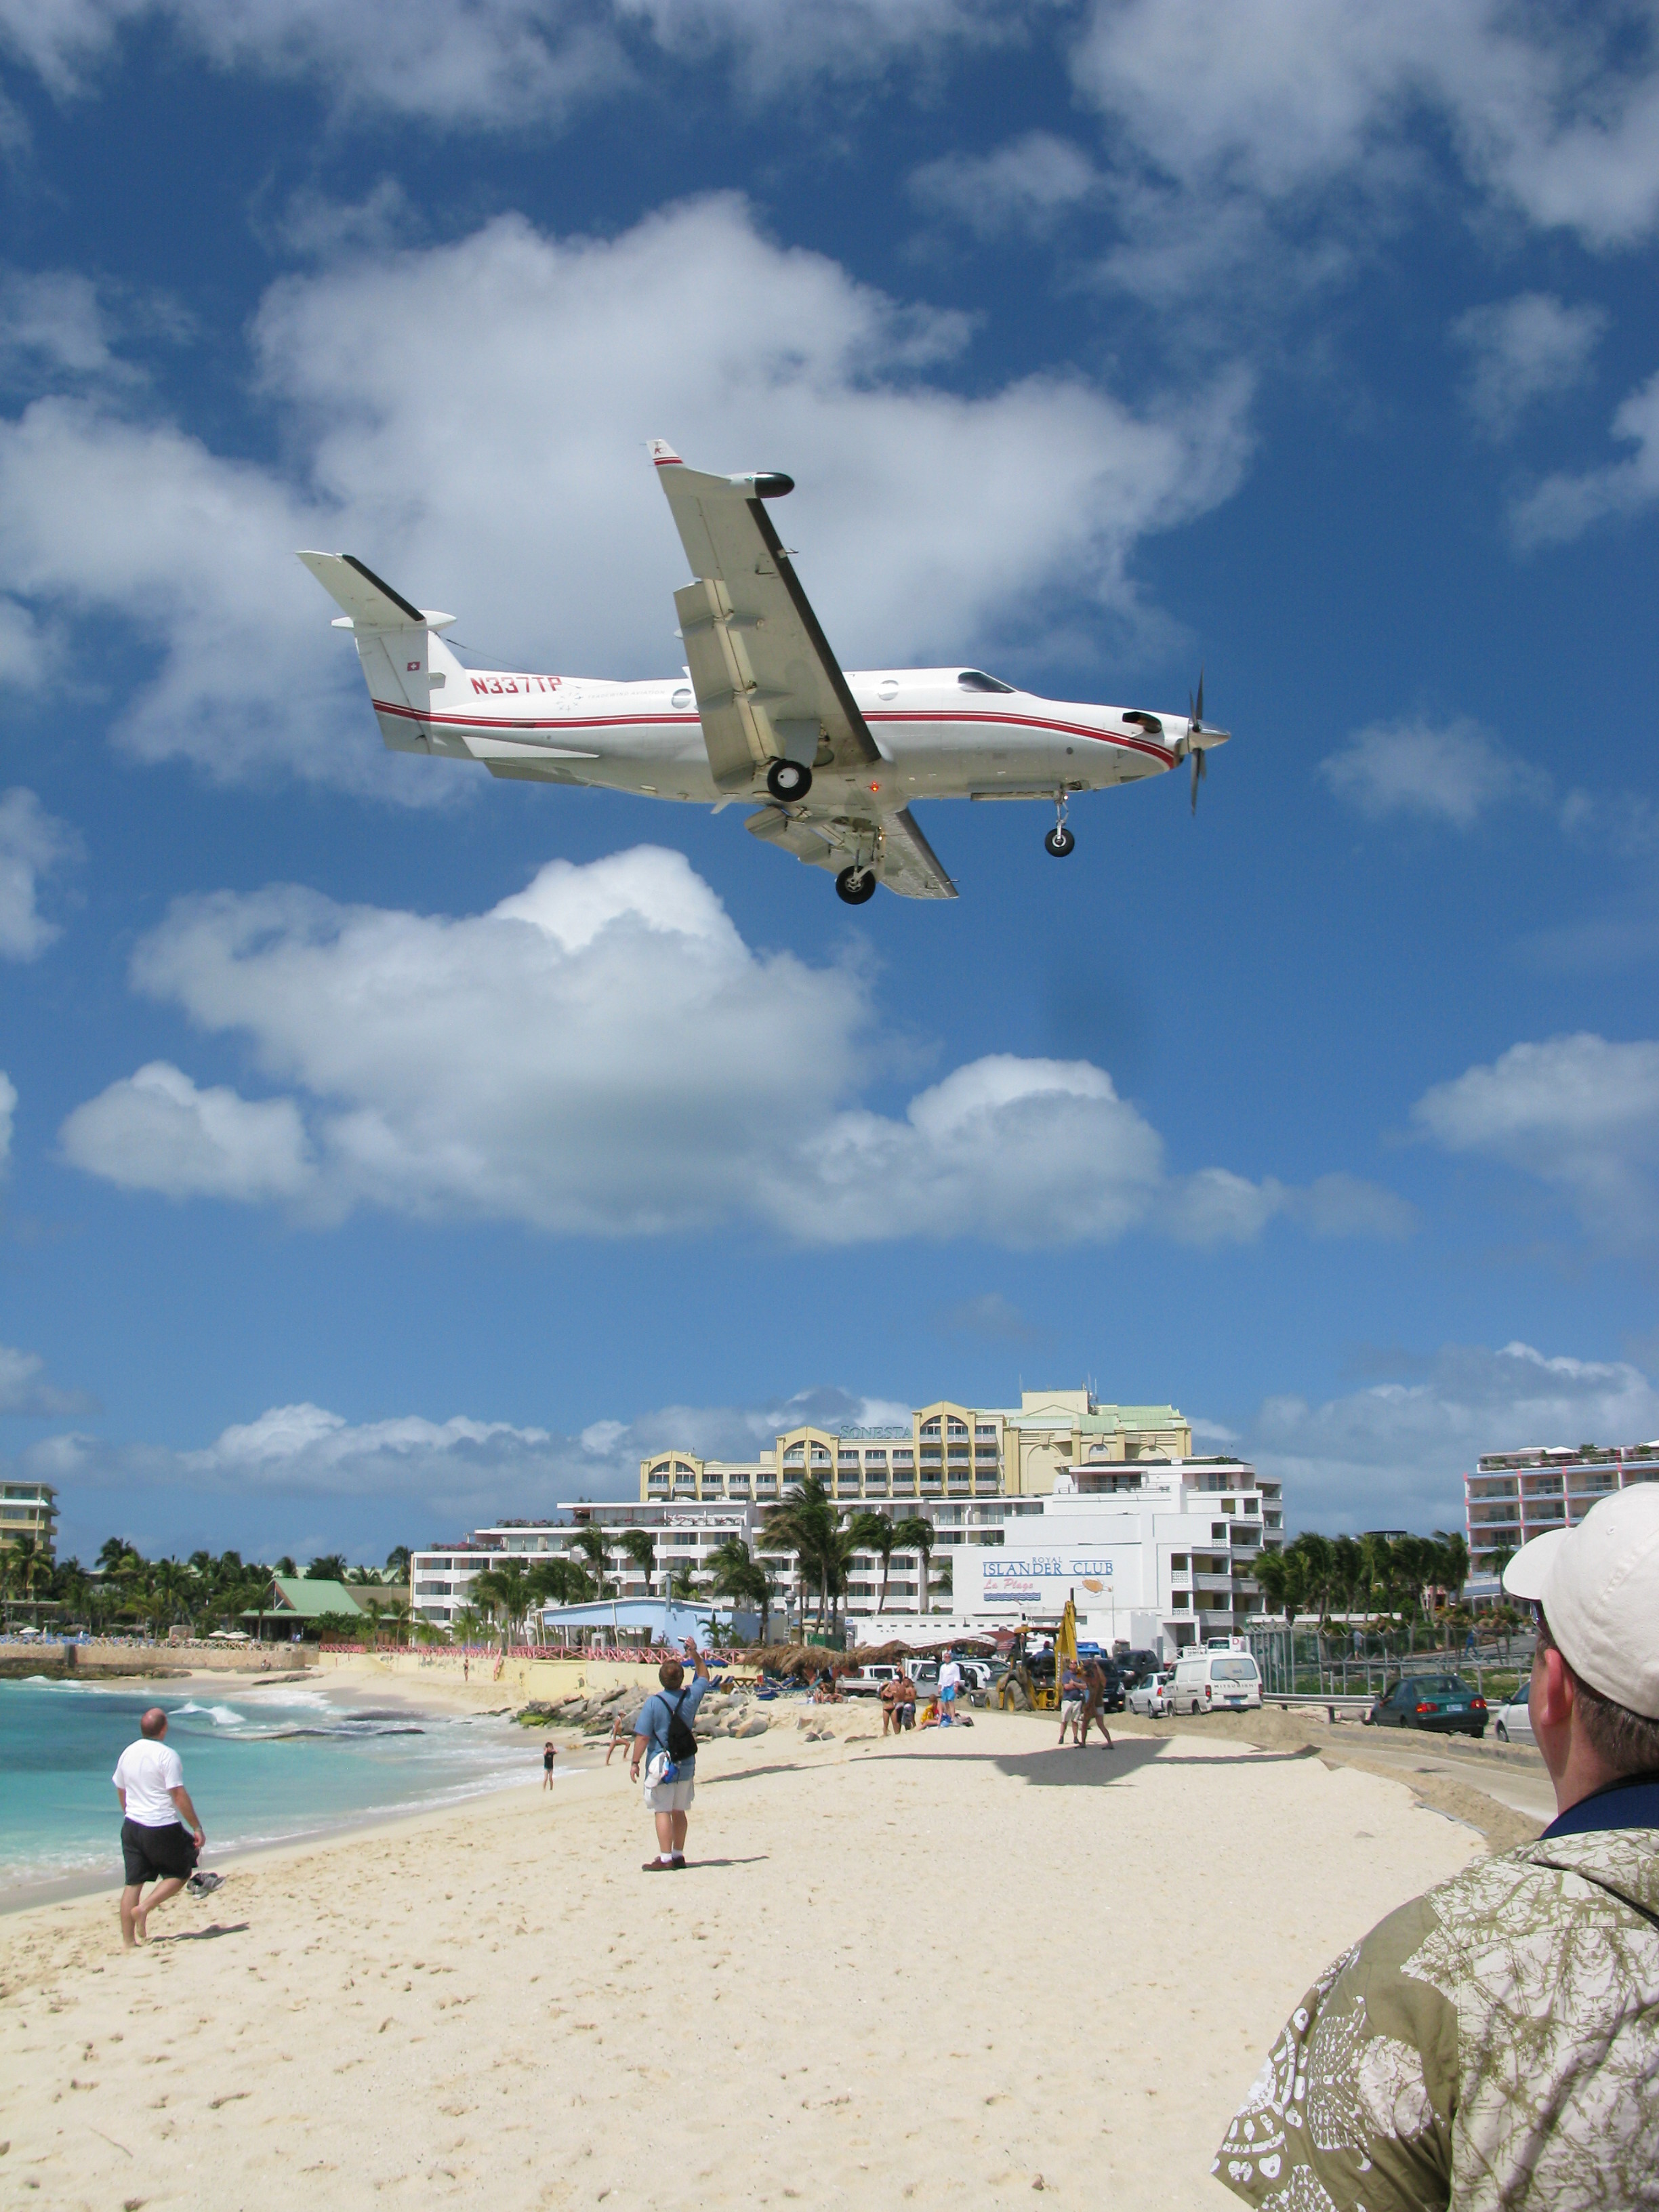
<point x="1043" y="1581"/>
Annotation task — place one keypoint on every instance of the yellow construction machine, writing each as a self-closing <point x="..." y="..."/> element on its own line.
<point x="1033" y="1686"/>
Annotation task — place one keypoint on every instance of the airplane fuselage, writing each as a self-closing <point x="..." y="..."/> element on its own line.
<point x="937" y="738"/>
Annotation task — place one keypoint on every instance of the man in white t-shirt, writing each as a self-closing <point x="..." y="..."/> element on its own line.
<point x="155" y="1807"/>
<point x="950" y="1681"/>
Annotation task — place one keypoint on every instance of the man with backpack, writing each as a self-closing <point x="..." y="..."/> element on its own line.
<point x="664" y="1740"/>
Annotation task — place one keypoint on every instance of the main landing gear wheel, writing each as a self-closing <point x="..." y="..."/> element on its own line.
<point x="788" y="780"/>
<point x="1060" y="842"/>
<point x="855" y="885"/>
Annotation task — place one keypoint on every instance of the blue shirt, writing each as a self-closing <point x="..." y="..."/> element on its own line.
<point x="658" y="1710"/>
<point x="1633" y="1801"/>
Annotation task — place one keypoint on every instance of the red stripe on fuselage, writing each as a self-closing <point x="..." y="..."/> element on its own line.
<point x="1165" y="753"/>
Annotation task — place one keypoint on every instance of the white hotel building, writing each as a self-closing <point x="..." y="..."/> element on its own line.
<point x="1158" y="1556"/>
<point x="1514" y="1496"/>
<point x="1062" y="1470"/>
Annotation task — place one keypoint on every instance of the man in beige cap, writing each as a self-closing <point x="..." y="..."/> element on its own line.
<point x="1495" y="2044"/>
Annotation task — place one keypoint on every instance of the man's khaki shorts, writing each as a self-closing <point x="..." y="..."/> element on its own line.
<point x="671" y="1797"/>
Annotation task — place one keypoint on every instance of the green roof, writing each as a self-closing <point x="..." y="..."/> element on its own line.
<point x="298" y="1594"/>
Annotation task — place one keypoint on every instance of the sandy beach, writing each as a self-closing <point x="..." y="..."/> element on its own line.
<point x="952" y="1969"/>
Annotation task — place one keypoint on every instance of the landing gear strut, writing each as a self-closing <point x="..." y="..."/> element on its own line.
<point x="788" y="780"/>
<point x="1060" y="840"/>
<point x="855" y="885"/>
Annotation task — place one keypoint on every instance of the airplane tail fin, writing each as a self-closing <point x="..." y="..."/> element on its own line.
<point x="404" y="661"/>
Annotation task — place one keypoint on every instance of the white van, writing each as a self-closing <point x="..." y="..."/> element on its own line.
<point x="1215" y="1681"/>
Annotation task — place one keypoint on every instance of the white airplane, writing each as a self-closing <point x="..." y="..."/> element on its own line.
<point x="763" y="710"/>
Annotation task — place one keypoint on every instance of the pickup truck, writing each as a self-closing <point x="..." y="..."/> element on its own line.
<point x="866" y="1681"/>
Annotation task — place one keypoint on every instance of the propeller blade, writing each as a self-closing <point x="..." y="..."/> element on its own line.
<point x="1200" y="769"/>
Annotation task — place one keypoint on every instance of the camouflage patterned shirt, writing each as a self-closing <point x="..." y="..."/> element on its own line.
<point x="1494" y="2044"/>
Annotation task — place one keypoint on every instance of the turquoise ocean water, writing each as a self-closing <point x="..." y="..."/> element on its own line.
<point x="261" y="1766"/>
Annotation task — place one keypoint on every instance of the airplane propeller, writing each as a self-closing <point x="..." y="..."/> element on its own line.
<point x="1194" y="728"/>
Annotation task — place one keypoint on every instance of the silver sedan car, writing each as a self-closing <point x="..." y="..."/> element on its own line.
<point x="1512" y="1721"/>
<point x="1153" y="1697"/>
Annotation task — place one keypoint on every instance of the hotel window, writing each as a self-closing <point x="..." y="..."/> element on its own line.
<point x="794" y="1455"/>
<point x="845" y="1458"/>
<point x="820" y="1455"/>
<point x="985" y="1428"/>
<point x="954" y="1428"/>
<point x="875" y="1459"/>
<point x="903" y="1458"/>
<point x="1178" y="1563"/>
<point x="956" y="1452"/>
<point x="930" y="1428"/>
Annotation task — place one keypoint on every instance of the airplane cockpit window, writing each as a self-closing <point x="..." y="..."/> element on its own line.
<point x="975" y="679"/>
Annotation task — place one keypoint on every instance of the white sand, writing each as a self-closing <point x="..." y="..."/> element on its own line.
<point x="931" y="1970"/>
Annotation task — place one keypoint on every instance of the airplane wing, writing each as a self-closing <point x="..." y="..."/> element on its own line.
<point x="905" y="861"/>
<point x="768" y="686"/>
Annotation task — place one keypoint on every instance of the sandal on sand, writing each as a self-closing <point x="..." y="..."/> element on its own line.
<point x="203" y="1883"/>
<point x="657" y="1866"/>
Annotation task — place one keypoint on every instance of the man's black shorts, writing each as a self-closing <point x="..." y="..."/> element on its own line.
<point x="157" y="1854"/>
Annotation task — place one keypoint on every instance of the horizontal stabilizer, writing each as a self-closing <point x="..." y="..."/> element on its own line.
<point x="371" y="604"/>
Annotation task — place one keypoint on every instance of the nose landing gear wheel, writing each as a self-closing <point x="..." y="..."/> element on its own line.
<point x="1060" y="842"/>
<point x="855" y="885"/>
<point x="788" y="780"/>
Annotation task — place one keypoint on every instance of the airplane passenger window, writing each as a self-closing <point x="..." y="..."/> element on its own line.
<point x="975" y="679"/>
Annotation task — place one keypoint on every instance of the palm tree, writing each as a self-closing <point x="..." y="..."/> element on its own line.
<point x="640" y="1546"/>
<point x="806" y="1524"/>
<point x="330" y="1568"/>
<point x="877" y="1533"/>
<point x="737" y="1574"/>
<point x="594" y="1547"/>
<point x="363" y="1578"/>
<point x="396" y="1563"/>
<point x="505" y="1591"/>
<point x="397" y="1615"/>
<point x="915" y="1533"/>
<point x="559" y="1580"/>
<point x="682" y="1583"/>
<point x="467" y="1624"/>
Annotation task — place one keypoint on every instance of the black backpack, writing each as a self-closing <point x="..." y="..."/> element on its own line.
<point x="682" y="1743"/>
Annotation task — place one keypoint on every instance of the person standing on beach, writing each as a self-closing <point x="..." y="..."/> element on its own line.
<point x="549" y="1752"/>
<point x="150" y="1780"/>
<point x="950" y="1681"/>
<point x="1493" y="2043"/>
<point x="889" y="1702"/>
<point x="905" y="1711"/>
<point x="660" y="1739"/>
<point x="1094" y="1705"/>
<point x="1071" y="1703"/>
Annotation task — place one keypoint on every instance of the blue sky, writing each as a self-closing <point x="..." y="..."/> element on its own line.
<point x="390" y="1147"/>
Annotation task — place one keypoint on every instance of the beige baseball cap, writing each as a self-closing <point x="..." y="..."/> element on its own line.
<point x="1599" y="1586"/>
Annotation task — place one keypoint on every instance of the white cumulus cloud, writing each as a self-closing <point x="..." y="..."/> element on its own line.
<point x="32" y="844"/>
<point x="24" y="1388"/>
<point x="157" y="1131"/>
<point x="1566" y="505"/>
<point x="1281" y="102"/>
<point x="1446" y="772"/>
<point x="1395" y="1454"/>
<point x="603" y="1055"/>
<point x="1522" y="350"/>
<point x="1027" y="185"/>
<point x="1581" y="1114"/>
